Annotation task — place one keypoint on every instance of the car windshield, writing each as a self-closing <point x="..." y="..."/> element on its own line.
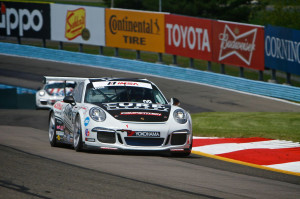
<point x="124" y="93"/>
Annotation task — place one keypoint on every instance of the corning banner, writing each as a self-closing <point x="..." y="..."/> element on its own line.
<point x="25" y="20"/>
<point x="188" y="36"/>
<point x="282" y="49"/>
<point x="135" y="30"/>
<point x="238" y="44"/>
<point x="78" y="24"/>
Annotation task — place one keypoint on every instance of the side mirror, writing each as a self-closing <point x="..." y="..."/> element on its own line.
<point x="69" y="100"/>
<point x="175" y="102"/>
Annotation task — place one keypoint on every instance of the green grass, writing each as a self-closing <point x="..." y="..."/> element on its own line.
<point x="284" y="126"/>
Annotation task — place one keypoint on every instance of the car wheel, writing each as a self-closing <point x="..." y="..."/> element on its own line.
<point x="77" y="140"/>
<point x="52" y="130"/>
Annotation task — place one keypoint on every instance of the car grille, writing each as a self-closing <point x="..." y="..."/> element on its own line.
<point x="106" y="137"/>
<point x="178" y="139"/>
<point x="134" y="141"/>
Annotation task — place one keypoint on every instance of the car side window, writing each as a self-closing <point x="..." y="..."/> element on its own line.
<point x="78" y="92"/>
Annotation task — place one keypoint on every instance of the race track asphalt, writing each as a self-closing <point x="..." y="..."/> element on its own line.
<point x="30" y="168"/>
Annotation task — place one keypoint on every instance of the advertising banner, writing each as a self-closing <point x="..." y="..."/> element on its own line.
<point x="25" y="20"/>
<point x="238" y="44"/>
<point x="188" y="36"/>
<point x="78" y="24"/>
<point x="135" y="30"/>
<point x="282" y="49"/>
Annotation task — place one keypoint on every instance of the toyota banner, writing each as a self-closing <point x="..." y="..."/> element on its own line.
<point x="188" y="36"/>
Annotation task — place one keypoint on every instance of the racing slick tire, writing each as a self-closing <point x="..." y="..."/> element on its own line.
<point x="52" y="130"/>
<point x="77" y="140"/>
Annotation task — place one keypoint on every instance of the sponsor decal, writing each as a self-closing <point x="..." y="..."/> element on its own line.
<point x="135" y="30"/>
<point x="60" y="133"/>
<point x="131" y="133"/>
<point x="176" y="149"/>
<point x="116" y="106"/>
<point x="86" y="121"/>
<point x="58" y="106"/>
<point x="58" y="137"/>
<point x="188" y="36"/>
<point x="109" y="148"/>
<point x="75" y="23"/>
<point x="87" y="133"/>
<point x="140" y="113"/>
<point x="90" y="139"/>
<point x="60" y="127"/>
<point x="103" y="84"/>
<point x="25" y="20"/>
<point x="238" y="44"/>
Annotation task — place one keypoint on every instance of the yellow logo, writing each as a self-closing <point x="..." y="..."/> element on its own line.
<point x="75" y="23"/>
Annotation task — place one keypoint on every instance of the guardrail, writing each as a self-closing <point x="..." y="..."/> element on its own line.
<point x="185" y="74"/>
<point x="14" y="97"/>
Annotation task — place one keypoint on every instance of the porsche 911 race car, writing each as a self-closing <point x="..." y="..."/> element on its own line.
<point x="119" y="114"/>
<point x="52" y="92"/>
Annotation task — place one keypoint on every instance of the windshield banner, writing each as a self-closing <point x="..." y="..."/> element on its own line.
<point x="121" y="83"/>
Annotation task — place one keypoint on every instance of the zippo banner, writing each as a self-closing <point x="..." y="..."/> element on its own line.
<point x="282" y="49"/>
<point x="188" y="36"/>
<point x="25" y="20"/>
<point x="78" y="24"/>
<point x="135" y="30"/>
<point x="238" y="44"/>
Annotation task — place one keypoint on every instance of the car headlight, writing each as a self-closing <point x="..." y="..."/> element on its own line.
<point x="42" y="93"/>
<point x="180" y="116"/>
<point x="97" y="114"/>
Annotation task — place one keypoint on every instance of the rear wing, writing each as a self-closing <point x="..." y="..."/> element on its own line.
<point x="47" y="79"/>
<point x="52" y="78"/>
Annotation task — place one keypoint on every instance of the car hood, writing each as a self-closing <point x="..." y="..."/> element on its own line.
<point x="138" y="112"/>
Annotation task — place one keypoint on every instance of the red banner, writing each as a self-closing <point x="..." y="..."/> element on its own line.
<point x="238" y="44"/>
<point x="188" y="36"/>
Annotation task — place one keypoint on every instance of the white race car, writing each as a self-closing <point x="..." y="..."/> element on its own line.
<point x="52" y="92"/>
<point x="119" y="114"/>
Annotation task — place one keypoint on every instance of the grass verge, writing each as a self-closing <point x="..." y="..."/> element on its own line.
<point x="283" y="126"/>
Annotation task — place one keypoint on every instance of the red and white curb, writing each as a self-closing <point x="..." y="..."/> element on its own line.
<point x="277" y="155"/>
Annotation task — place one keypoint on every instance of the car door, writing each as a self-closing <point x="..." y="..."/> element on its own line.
<point x="71" y="110"/>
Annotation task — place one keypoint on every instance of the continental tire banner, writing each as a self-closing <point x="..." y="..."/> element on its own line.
<point x="282" y="49"/>
<point x="135" y="30"/>
<point x="78" y="24"/>
<point x="25" y="20"/>
<point x="188" y="36"/>
<point x="238" y="44"/>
